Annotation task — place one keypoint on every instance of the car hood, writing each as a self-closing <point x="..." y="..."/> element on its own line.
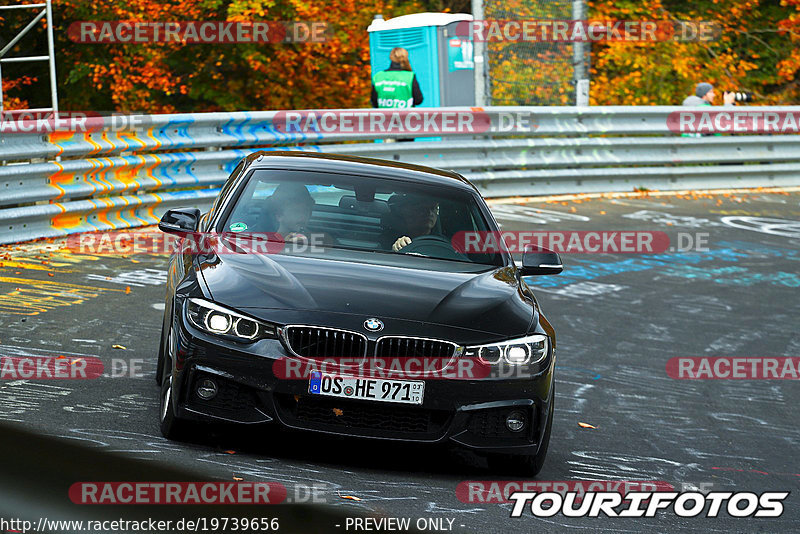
<point x="490" y="302"/>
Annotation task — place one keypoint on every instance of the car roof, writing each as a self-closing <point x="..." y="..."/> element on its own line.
<point x="357" y="165"/>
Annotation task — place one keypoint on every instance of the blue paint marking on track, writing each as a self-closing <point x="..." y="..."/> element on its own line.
<point x="590" y="270"/>
<point x="681" y="265"/>
<point x="597" y="376"/>
<point x="757" y="248"/>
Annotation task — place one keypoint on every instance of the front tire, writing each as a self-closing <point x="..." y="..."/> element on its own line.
<point x="166" y="326"/>
<point x="160" y="364"/>
<point x="172" y="427"/>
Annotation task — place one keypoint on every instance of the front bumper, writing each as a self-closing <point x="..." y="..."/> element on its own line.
<point x="471" y="413"/>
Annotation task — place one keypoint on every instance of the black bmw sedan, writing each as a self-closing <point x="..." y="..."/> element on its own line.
<point x="330" y="294"/>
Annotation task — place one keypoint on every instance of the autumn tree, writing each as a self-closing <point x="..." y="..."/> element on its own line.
<point x="755" y="50"/>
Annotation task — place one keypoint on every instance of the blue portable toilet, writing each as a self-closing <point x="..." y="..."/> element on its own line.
<point x="441" y="60"/>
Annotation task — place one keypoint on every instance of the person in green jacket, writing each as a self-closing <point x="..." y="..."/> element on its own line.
<point x="397" y="86"/>
<point x="704" y="95"/>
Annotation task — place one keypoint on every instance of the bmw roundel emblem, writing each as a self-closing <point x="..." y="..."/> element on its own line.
<point x="373" y="324"/>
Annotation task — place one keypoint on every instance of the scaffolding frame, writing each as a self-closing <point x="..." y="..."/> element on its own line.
<point x="47" y="14"/>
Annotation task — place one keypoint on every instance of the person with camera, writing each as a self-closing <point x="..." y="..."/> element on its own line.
<point x="704" y="95"/>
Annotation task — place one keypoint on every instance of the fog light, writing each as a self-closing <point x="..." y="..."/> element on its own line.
<point x="207" y="389"/>
<point x="515" y="421"/>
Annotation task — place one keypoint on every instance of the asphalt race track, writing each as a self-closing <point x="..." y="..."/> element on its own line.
<point x="619" y="318"/>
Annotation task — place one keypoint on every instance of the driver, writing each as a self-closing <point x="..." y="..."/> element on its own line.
<point x="416" y="215"/>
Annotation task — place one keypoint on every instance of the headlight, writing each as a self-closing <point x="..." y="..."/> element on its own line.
<point x="220" y="321"/>
<point x="527" y="350"/>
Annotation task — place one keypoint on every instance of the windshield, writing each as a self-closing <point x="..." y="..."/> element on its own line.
<point x="347" y="212"/>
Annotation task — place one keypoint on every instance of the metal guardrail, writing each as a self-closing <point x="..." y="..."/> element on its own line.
<point x="58" y="183"/>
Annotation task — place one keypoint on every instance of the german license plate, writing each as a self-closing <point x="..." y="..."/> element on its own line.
<point x="377" y="389"/>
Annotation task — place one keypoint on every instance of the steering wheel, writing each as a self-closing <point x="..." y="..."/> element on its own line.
<point x="435" y="246"/>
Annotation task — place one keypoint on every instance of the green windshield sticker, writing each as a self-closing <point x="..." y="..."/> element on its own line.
<point x="238" y="227"/>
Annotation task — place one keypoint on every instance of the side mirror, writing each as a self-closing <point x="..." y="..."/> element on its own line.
<point x="180" y="221"/>
<point x="539" y="260"/>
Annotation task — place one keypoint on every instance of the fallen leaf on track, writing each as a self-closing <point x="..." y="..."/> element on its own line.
<point x="350" y="497"/>
<point x="586" y="425"/>
<point x="118" y="347"/>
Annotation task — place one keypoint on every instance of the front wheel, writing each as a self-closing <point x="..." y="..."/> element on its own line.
<point x="160" y="364"/>
<point x="166" y="327"/>
<point x="172" y="427"/>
